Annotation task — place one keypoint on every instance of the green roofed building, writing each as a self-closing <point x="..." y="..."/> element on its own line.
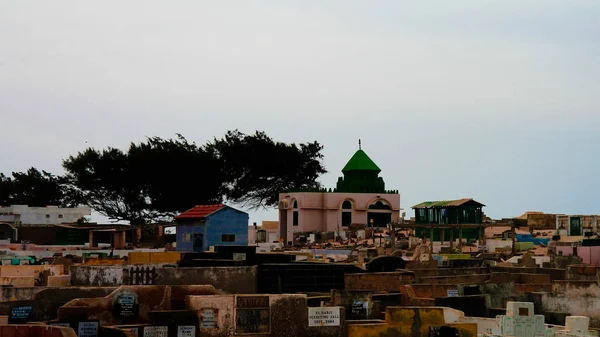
<point x="361" y="175"/>
<point x="450" y="212"/>
<point x="358" y="199"/>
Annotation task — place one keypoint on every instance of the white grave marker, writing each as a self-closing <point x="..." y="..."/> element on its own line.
<point x="324" y="316"/>
<point x="186" y="331"/>
<point x="87" y="329"/>
<point x="156" y="331"/>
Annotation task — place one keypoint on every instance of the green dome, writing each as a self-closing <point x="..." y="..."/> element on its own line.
<point x="361" y="162"/>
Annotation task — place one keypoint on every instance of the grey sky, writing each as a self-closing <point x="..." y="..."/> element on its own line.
<point x="496" y="100"/>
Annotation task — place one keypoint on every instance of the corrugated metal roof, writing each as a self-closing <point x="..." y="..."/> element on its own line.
<point x="199" y="211"/>
<point x="446" y="203"/>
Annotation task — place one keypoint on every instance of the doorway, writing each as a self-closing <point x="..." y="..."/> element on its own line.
<point x="198" y="242"/>
<point x="575" y="226"/>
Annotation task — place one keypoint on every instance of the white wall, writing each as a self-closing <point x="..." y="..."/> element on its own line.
<point x="50" y="215"/>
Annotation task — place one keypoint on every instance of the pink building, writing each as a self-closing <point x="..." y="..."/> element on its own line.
<point x="360" y="198"/>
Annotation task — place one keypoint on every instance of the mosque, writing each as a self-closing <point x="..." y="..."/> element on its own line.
<point x="360" y="198"/>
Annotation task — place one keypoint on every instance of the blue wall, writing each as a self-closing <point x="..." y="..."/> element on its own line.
<point x="194" y="227"/>
<point x="225" y="221"/>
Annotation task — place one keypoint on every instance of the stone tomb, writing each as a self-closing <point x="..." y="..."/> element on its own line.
<point x="520" y="321"/>
<point x="259" y="315"/>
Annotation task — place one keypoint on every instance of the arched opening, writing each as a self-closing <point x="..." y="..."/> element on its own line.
<point x="346" y="213"/>
<point x="379" y="214"/>
<point x="295" y="218"/>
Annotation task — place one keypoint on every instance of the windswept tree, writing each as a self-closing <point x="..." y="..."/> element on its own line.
<point x="153" y="180"/>
<point x="159" y="178"/>
<point x="256" y="168"/>
<point x="33" y="187"/>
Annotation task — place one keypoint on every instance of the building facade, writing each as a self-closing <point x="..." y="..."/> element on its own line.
<point x="450" y="212"/>
<point x="49" y="215"/>
<point x="204" y="226"/>
<point x="360" y="198"/>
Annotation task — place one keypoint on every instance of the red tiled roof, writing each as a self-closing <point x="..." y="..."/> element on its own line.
<point x="199" y="211"/>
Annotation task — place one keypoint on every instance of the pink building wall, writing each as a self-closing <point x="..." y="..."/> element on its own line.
<point x="588" y="255"/>
<point x="319" y="211"/>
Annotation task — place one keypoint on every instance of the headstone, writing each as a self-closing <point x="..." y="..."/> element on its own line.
<point x="360" y="309"/>
<point x="252" y="314"/>
<point x="87" y="329"/>
<point x="126" y="305"/>
<point x="520" y="320"/>
<point x="20" y="314"/>
<point x="186" y="331"/>
<point x="156" y="331"/>
<point x="324" y="316"/>
<point x="208" y="318"/>
<point x="239" y="256"/>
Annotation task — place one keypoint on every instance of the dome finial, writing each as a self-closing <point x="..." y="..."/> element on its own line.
<point x="359" y="145"/>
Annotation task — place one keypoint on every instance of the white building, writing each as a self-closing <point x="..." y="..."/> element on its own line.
<point x="50" y="215"/>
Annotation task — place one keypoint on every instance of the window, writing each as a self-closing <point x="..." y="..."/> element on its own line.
<point x="347" y="205"/>
<point x="295" y="204"/>
<point x="228" y="238"/>
<point x="60" y="216"/>
<point x="295" y="219"/>
<point x="380" y="205"/>
<point x="47" y="216"/>
<point x="187" y="237"/>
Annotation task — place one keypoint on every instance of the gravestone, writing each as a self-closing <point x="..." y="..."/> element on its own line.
<point x="521" y="321"/>
<point x="126" y="305"/>
<point x="208" y="318"/>
<point x="452" y="292"/>
<point x="88" y="329"/>
<point x="360" y="309"/>
<point x="186" y="331"/>
<point x="156" y="331"/>
<point x="324" y="316"/>
<point x="20" y="314"/>
<point x="252" y="314"/>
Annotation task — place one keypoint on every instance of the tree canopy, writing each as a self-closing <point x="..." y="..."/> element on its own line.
<point x="33" y="188"/>
<point x="158" y="178"/>
<point x="256" y="168"/>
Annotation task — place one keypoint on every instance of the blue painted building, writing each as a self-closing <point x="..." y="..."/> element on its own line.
<point x="204" y="226"/>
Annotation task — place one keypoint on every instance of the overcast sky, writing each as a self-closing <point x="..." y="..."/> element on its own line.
<point x="495" y="100"/>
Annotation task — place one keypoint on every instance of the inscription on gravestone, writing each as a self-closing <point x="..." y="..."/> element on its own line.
<point x="87" y="329"/>
<point x="156" y="331"/>
<point x="252" y="314"/>
<point x="324" y="316"/>
<point x="208" y="318"/>
<point x="186" y="331"/>
<point x="126" y="306"/>
<point x="452" y="292"/>
<point x="21" y="314"/>
<point x="360" y="309"/>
